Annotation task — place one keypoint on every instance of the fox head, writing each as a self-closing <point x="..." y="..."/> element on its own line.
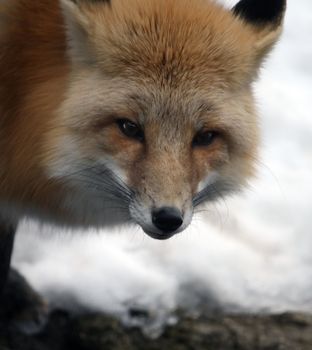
<point x="158" y="115"/>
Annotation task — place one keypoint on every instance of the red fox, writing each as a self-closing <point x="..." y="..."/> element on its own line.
<point x="123" y="111"/>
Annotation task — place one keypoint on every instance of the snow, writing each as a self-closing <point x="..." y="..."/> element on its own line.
<point x="249" y="253"/>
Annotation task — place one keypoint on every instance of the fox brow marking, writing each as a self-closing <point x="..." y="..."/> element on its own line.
<point x="205" y="107"/>
<point x="142" y="101"/>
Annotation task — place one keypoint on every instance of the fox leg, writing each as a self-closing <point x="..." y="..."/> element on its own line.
<point x="7" y="233"/>
<point x="20" y="306"/>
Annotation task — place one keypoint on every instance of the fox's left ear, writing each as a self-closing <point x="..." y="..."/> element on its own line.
<point x="265" y="17"/>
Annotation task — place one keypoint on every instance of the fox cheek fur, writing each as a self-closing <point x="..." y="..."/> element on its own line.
<point x="128" y="110"/>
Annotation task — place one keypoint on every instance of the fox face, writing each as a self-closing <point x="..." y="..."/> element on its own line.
<point x="158" y="113"/>
<point x="158" y="116"/>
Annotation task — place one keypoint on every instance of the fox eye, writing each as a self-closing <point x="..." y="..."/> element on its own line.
<point x="130" y="129"/>
<point x="204" y="138"/>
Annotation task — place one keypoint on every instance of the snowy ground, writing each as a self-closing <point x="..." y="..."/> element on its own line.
<point x="249" y="253"/>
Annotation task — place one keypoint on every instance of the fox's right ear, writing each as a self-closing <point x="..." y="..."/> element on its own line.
<point x="78" y="27"/>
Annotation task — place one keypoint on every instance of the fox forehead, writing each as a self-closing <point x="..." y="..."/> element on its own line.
<point x="92" y="98"/>
<point x="170" y="42"/>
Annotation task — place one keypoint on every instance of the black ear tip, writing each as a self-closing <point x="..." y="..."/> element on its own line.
<point x="260" y="11"/>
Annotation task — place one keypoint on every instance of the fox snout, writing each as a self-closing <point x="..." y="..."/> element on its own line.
<point x="162" y="203"/>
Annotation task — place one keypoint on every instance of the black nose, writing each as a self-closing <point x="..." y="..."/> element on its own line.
<point x="167" y="219"/>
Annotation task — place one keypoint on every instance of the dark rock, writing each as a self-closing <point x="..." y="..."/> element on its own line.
<point x="20" y="304"/>
<point x="95" y="332"/>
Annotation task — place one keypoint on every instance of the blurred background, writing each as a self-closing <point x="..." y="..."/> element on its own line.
<point x="251" y="253"/>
